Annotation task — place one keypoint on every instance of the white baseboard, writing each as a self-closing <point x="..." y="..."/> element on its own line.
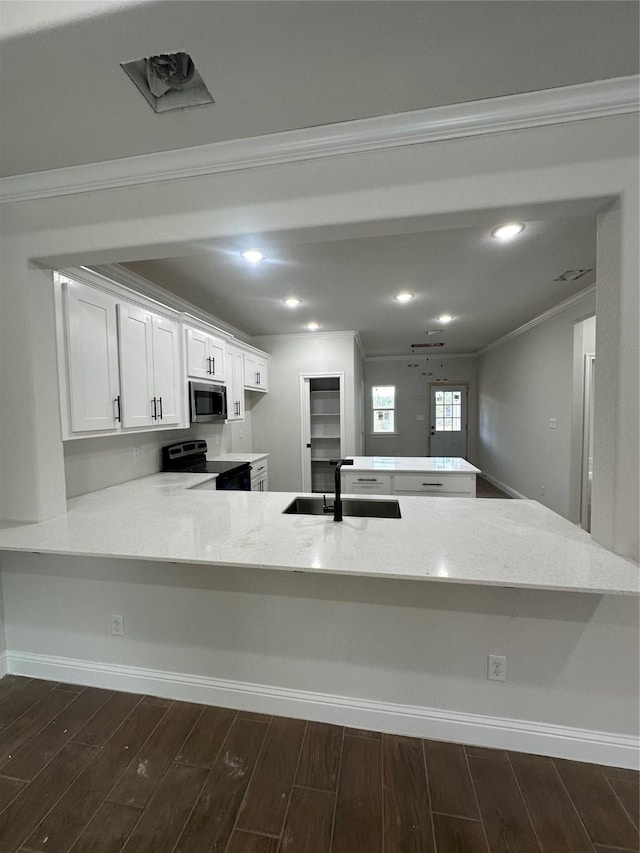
<point x="414" y="721"/>
<point x="504" y="488"/>
<point x="4" y="669"/>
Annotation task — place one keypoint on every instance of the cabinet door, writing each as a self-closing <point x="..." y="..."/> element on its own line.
<point x="235" y="384"/>
<point x="250" y="370"/>
<point x="261" y="374"/>
<point x="216" y="356"/>
<point x="92" y="358"/>
<point x="166" y="371"/>
<point x="198" y="364"/>
<point x="136" y="367"/>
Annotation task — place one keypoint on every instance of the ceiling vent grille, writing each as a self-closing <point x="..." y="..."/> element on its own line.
<point x="168" y="81"/>
<point x="572" y="275"/>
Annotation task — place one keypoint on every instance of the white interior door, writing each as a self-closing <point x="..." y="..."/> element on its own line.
<point x="449" y="406"/>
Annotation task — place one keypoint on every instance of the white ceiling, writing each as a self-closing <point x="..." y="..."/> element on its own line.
<point x="274" y="66"/>
<point x="348" y="284"/>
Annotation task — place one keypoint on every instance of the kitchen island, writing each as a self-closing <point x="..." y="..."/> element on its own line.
<point x="446" y="476"/>
<point x="166" y="517"/>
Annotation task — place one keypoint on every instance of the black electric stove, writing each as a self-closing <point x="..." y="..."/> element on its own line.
<point x="191" y="457"/>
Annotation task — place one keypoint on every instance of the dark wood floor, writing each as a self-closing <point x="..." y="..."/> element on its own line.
<point x="93" y="771"/>
<point x="485" y="489"/>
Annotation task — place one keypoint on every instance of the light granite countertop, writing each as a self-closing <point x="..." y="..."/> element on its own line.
<point x="452" y="540"/>
<point x="238" y="457"/>
<point x="411" y="464"/>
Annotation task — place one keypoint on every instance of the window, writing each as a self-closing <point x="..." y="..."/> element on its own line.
<point x="448" y="411"/>
<point x="383" y="398"/>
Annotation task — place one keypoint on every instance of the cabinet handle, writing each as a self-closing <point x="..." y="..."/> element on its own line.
<point x="433" y="484"/>
<point x="160" y="399"/>
<point x="209" y="370"/>
<point x="213" y="365"/>
<point x="154" y="416"/>
<point x="117" y="402"/>
<point x="367" y="480"/>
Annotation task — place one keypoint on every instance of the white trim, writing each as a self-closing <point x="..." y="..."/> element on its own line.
<point x="503" y="487"/>
<point x="140" y="284"/>
<point x="598" y="99"/>
<point x="541" y="318"/>
<point x="605" y="748"/>
<point x="265" y="339"/>
<point x="4" y="664"/>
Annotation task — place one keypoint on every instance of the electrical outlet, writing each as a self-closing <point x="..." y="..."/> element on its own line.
<point x="497" y="668"/>
<point x="117" y="625"/>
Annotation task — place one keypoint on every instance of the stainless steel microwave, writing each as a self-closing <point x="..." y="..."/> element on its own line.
<point x="207" y="403"/>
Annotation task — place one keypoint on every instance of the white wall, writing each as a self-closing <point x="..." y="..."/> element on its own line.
<point x="277" y="417"/>
<point x="403" y="642"/>
<point x="413" y="405"/>
<point x="96" y="463"/>
<point x="524" y="382"/>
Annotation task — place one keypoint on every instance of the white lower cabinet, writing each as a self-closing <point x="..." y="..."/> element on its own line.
<point x="260" y="476"/>
<point x="433" y="484"/>
<point x="426" y="483"/>
<point x="366" y="484"/>
<point x="149" y="368"/>
<point x="235" y="384"/>
<point x="91" y="345"/>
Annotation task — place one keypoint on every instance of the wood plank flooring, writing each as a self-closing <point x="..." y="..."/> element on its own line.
<point x="85" y="770"/>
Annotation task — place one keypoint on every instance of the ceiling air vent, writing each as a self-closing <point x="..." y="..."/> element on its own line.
<point x="572" y="275"/>
<point x="168" y="81"/>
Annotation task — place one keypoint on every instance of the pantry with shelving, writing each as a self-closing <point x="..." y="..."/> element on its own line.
<point x="323" y="429"/>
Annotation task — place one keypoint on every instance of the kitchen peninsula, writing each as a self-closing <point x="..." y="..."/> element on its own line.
<point x="165" y="517"/>
<point x="377" y="623"/>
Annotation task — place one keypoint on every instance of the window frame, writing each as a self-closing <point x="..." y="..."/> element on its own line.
<point x="374" y="409"/>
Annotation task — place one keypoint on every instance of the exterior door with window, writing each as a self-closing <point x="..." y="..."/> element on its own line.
<point x="449" y="420"/>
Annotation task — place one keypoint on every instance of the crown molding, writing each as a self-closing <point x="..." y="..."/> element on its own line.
<point x="265" y="339"/>
<point x="541" y="318"/>
<point x="140" y="284"/>
<point x="598" y="99"/>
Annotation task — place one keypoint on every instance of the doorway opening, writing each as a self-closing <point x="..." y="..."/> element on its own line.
<point x="323" y="428"/>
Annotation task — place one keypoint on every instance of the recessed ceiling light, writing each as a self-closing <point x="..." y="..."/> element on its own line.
<point x="403" y="297"/>
<point x="312" y="326"/>
<point x="253" y="256"/>
<point x="445" y="318"/>
<point x="508" y="231"/>
<point x="292" y="302"/>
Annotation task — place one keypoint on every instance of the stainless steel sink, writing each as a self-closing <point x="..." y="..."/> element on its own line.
<point x="360" y="507"/>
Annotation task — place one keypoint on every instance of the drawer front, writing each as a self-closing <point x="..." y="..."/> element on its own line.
<point x="366" y="484"/>
<point x="458" y="485"/>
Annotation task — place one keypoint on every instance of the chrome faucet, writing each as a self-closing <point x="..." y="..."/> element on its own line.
<point x="337" y="500"/>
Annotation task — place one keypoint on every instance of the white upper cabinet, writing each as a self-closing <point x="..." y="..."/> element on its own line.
<point x="92" y="381"/>
<point x="166" y="369"/>
<point x="149" y="368"/>
<point x="235" y="384"/>
<point x="205" y="355"/>
<point x="255" y="372"/>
